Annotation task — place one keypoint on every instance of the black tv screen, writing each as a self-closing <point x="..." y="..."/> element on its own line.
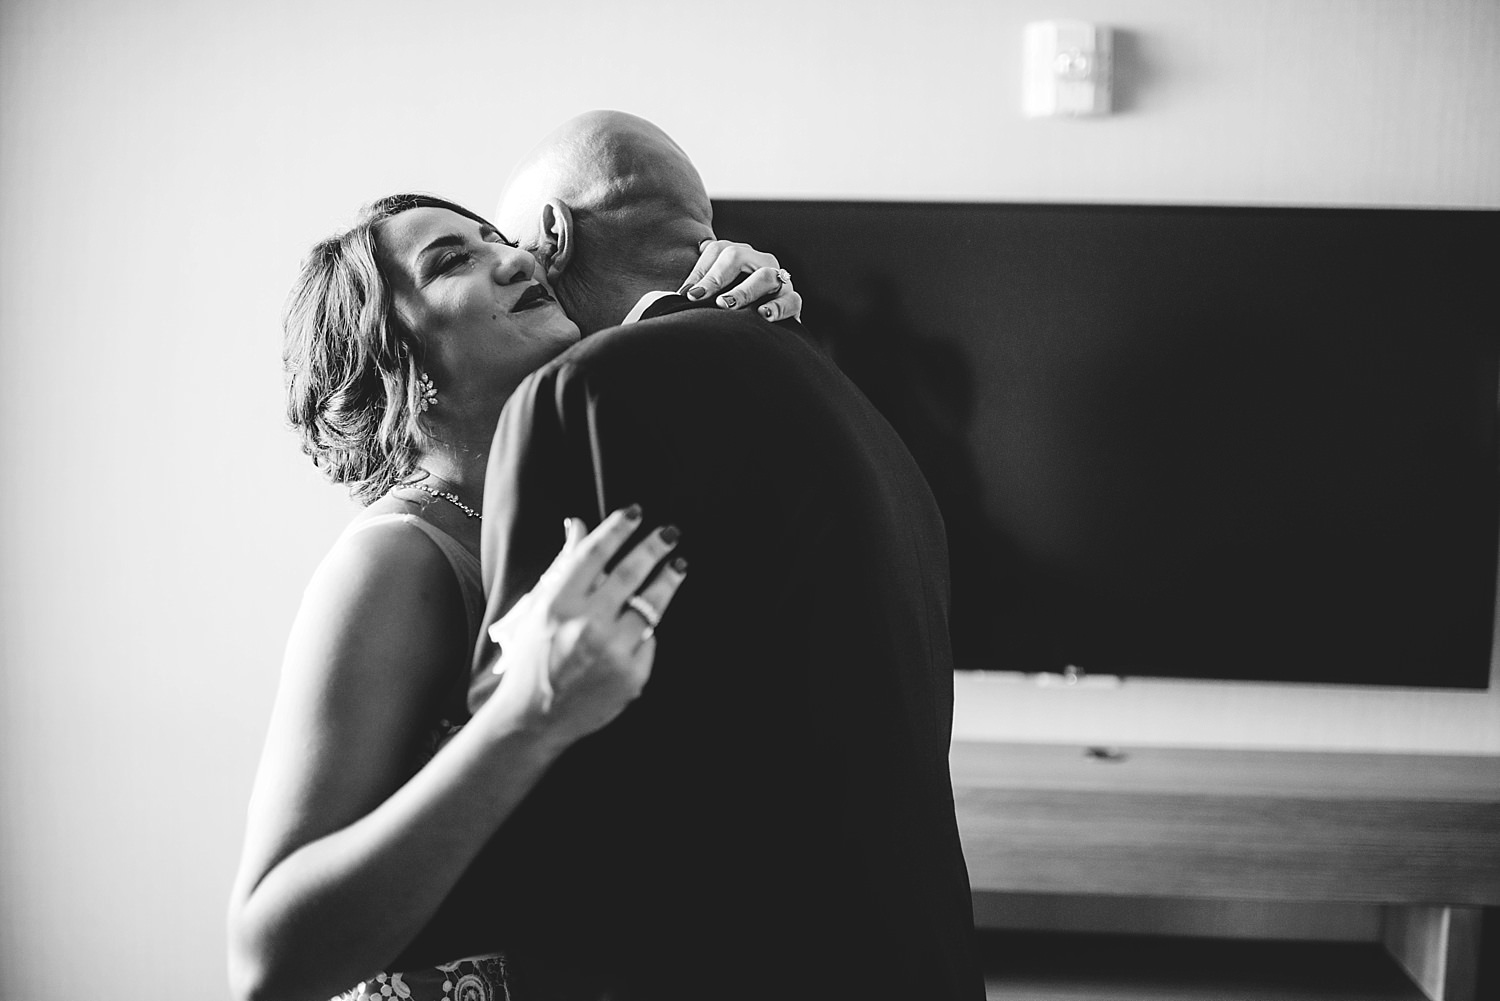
<point x="1206" y="442"/>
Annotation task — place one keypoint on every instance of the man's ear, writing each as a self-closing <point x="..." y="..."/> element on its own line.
<point x="555" y="229"/>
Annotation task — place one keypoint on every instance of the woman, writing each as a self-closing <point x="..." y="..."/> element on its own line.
<point x="404" y="337"/>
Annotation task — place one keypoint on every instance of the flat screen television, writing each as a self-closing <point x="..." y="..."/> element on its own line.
<point x="1172" y="441"/>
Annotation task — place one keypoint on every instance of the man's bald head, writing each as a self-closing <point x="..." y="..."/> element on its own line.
<point x="613" y="207"/>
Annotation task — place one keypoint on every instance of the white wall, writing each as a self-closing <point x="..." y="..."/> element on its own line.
<point x="164" y="165"/>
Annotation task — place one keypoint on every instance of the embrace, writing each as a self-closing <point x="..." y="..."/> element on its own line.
<point x="633" y="680"/>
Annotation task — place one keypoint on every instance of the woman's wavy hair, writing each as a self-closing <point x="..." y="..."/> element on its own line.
<point x="352" y="367"/>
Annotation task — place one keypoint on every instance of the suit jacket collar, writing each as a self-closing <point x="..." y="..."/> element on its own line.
<point x="654" y="304"/>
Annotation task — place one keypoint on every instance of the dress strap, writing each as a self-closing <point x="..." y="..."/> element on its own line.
<point x="464" y="563"/>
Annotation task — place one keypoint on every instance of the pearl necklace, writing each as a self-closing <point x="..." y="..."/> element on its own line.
<point x="451" y="498"/>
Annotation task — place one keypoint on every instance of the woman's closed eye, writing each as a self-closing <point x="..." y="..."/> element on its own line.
<point x="451" y="260"/>
<point x="456" y="258"/>
<point x="459" y="254"/>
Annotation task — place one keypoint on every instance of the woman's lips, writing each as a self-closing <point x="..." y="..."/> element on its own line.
<point x="534" y="296"/>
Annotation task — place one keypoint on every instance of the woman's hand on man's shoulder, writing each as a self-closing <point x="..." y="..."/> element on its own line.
<point x="579" y="647"/>
<point x="749" y="278"/>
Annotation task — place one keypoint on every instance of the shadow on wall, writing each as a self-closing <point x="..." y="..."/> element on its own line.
<point x="1131" y="74"/>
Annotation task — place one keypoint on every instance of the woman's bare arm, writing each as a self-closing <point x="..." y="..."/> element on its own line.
<point x="343" y="864"/>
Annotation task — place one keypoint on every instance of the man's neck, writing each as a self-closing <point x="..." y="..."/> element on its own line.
<point x="599" y="305"/>
<point x="596" y="292"/>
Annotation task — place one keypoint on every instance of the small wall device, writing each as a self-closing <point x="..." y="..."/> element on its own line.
<point x="1067" y="67"/>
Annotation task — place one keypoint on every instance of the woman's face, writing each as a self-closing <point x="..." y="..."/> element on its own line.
<point x="479" y="306"/>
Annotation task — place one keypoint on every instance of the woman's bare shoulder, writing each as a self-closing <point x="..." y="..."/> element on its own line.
<point x="387" y="551"/>
<point x="384" y="585"/>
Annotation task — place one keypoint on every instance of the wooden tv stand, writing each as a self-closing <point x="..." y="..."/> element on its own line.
<point x="1400" y="848"/>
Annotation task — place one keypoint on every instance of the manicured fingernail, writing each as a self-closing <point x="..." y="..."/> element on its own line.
<point x="685" y="287"/>
<point x="765" y="311"/>
<point x="679" y="564"/>
<point x="633" y="512"/>
<point x="671" y="534"/>
<point x="697" y="292"/>
<point x="726" y="301"/>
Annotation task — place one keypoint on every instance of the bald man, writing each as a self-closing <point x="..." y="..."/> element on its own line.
<point x="773" y="817"/>
<point x="616" y="209"/>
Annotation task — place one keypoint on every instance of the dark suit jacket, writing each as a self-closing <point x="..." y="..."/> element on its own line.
<point x="773" y="817"/>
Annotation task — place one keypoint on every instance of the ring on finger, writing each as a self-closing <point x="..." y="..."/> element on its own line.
<point x="783" y="276"/>
<point x="645" y="610"/>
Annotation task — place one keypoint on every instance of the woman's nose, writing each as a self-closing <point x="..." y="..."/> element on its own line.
<point x="513" y="265"/>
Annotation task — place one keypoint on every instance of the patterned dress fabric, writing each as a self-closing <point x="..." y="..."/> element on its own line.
<point x="478" y="979"/>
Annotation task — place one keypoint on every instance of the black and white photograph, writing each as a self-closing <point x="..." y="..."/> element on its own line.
<point x="807" y="500"/>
